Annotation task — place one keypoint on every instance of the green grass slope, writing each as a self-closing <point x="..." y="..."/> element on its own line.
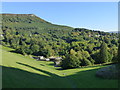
<point x="23" y="72"/>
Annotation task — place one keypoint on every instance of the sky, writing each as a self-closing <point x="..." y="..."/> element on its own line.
<point x="101" y="16"/>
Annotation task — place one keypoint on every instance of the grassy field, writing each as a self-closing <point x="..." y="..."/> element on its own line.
<point x="24" y="72"/>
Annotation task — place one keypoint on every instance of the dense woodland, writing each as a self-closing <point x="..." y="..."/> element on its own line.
<point x="31" y="35"/>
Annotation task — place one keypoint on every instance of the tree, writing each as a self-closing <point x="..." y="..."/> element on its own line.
<point x="72" y="52"/>
<point x="85" y="62"/>
<point x="21" y="49"/>
<point x="84" y="58"/>
<point x="91" y="60"/>
<point x="27" y="50"/>
<point x="107" y="40"/>
<point x="103" y="53"/>
<point x="96" y="57"/>
<point x="70" y="61"/>
<point x="90" y="48"/>
<point x="79" y="55"/>
<point x="110" y="56"/>
<point x="85" y="54"/>
<point x="47" y="51"/>
<point x="34" y="48"/>
<point x="118" y="56"/>
<point x="115" y="59"/>
<point x="114" y="41"/>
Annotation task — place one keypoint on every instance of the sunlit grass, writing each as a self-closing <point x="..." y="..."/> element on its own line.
<point x="34" y="71"/>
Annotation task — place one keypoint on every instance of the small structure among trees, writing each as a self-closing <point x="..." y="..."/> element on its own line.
<point x="57" y="60"/>
<point x="40" y="58"/>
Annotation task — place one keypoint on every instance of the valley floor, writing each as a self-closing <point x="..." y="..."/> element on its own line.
<point x="24" y="72"/>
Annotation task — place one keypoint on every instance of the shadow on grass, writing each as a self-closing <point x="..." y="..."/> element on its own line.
<point x="51" y="64"/>
<point x="79" y="67"/>
<point x="13" y="51"/>
<point x="17" y="78"/>
<point x="46" y="72"/>
<point x="42" y="64"/>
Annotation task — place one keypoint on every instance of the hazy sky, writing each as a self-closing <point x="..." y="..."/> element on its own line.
<point x="92" y="15"/>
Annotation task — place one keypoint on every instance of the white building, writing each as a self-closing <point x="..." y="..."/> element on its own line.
<point x="41" y="57"/>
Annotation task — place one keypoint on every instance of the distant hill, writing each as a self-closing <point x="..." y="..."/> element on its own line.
<point x="23" y="21"/>
<point x="34" y="24"/>
<point x="113" y="32"/>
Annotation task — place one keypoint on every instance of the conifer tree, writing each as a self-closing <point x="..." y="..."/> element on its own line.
<point x="103" y="53"/>
<point x="118" y="57"/>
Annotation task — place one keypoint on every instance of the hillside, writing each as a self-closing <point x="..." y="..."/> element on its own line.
<point x="28" y="34"/>
<point x="28" y="22"/>
<point x="23" y="72"/>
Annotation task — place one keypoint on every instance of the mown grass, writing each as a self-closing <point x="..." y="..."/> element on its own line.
<point x="20" y="71"/>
